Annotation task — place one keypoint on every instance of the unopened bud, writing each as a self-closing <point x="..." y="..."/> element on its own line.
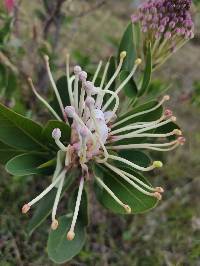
<point x="90" y="88"/>
<point x="56" y="133"/>
<point x="89" y="101"/>
<point x="25" y="208"/>
<point x="127" y="208"/>
<point x="177" y="132"/>
<point x="166" y="98"/>
<point x="157" y="195"/>
<point x="159" y="189"/>
<point x="123" y="54"/>
<point x="173" y="118"/>
<point x="46" y="57"/>
<point x="138" y="61"/>
<point x="77" y="70"/>
<point x="54" y="224"/>
<point x="181" y="140"/>
<point x="69" y="110"/>
<point x="70" y="235"/>
<point x="168" y="113"/>
<point x="84" y="131"/>
<point x="157" y="164"/>
<point x="83" y="76"/>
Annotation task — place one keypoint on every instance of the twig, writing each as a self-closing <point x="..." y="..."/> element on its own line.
<point x="54" y="15"/>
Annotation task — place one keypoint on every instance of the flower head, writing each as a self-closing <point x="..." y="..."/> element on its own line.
<point x="167" y="24"/>
<point x="9" y="4"/>
<point x="98" y="135"/>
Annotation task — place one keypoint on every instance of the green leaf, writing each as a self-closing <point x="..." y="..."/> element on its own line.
<point x="20" y="132"/>
<point x="137" y="38"/>
<point x="45" y="205"/>
<point x="157" y="88"/>
<point x="5" y="30"/>
<point x="138" y="201"/>
<point x="127" y="45"/>
<point x="130" y="89"/>
<point x="26" y="164"/>
<point x="11" y="85"/>
<point x="65" y="132"/>
<point x="60" y="249"/>
<point x="83" y="210"/>
<point x="7" y="152"/>
<point x="63" y="91"/>
<point x="147" y="72"/>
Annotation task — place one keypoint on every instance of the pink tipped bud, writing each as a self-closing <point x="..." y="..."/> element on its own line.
<point x="70" y="235"/>
<point x="181" y="140"/>
<point x="9" y="4"/>
<point x="84" y="132"/>
<point x="77" y="70"/>
<point x="25" y="208"/>
<point x="76" y="146"/>
<point x="70" y="111"/>
<point x="134" y="18"/>
<point x="54" y="224"/>
<point x="157" y="195"/>
<point x="159" y="189"/>
<point x="168" y="113"/>
<point x="89" y="101"/>
<point x="82" y="76"/>
<point x="168" y="35"/>
<point x="90" y="88"/>
<point x="56" y="133"/>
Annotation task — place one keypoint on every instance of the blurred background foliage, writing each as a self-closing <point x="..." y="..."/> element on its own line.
<point x="90" y="30"/>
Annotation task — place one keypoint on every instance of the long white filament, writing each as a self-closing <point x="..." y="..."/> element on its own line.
<point x="165" y="98"/>
<point x="54" y="85"/>
<point x="43" y="100"/>
<point x="69" y="84"/>
<point x="76" y="211"/>
<point x="48" y="189"/>
<point x="109" y="191"/>
<point x="97" y="72"/>
<point x="117" y="171"/>
<point x="55" y="206"/>
<point x="121" y="86"/>
<point x="120" y="159"/>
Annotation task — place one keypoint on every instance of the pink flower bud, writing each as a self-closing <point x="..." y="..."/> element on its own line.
<point x="83" y="132"/>
<point x="77" y="70"/>
<point x="83" y="76"/>
<point x="70" y="111"/>
<point x="181" y="140"/>
<point x="168" y="113"/>
<point x="89" y="101"/>
<point x="56" y="133"/>
<point x="9" y="4"/>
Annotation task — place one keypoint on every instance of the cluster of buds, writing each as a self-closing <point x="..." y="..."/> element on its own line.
<point x="9" y="4"/>
<point x="167" y="24"/>
<point x="95" y="135"/>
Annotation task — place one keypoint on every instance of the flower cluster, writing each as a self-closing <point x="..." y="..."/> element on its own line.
<point x="9" y="4"/>
<point x="96" y="136"/>
<point x="167" y="24"/>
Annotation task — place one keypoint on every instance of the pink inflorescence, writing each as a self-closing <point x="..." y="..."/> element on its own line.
<point x="167" y="18"/>
<point x="9" y="4"/>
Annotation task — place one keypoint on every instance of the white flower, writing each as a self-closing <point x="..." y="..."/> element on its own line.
<point x="95" y="133"/>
